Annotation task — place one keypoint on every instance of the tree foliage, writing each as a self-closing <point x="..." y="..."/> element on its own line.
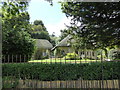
<point x="54" y="39"/>
<point x="39" y="22"/>
<point x="39" y="31"/>
<point x="15" y="27"/>
<point x="100" y="23"/>
<point x="64" y="33"/>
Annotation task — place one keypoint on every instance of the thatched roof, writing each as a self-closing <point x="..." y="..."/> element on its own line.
<point x="65" y="42"/>
<point x="44" y="44"/>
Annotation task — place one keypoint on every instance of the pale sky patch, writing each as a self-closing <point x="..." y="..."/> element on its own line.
<point x="56" y="27"/>
<point x="52" y="16"/>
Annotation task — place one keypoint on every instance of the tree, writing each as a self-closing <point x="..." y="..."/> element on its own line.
<point x="54" y="39"/>
<point x="100" y="23"/>
<point x="40" y="25"/>
<point x="15" y="27"/>
<point x="41" y="35"/>
<point x="38" y="22"/>
<point x="64" y="33"/>
<point x="39" y="31"/>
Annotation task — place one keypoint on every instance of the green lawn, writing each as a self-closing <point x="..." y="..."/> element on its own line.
<point x="64" y="61"/>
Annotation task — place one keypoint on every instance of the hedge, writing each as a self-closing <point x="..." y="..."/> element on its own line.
<point x="48" y="72"/>
<point x="9" y="82"/>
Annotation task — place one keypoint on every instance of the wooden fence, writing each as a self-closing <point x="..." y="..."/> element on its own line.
<point x="113" y="84"/>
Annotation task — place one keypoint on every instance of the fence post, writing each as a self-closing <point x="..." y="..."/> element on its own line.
<point x="12" y="58"/>
<point x="8" y="58"/>
<point x="16" y="57"/>
<point x="102" y="70"/>
<point x="119" y="82"/>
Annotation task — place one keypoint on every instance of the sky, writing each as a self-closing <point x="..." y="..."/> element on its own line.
<point x="52" y="16"/>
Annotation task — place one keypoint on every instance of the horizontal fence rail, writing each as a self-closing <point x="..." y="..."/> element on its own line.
<point x="23" y="71"/>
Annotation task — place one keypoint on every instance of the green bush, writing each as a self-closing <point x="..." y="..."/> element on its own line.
<point x="45" y="57"/>
<point x="38" y="55"/>
<point x="116" y="55"/>
<point x="10" y="82"/>
<point x="47" y="72"/>
<point x="71" y="56"/>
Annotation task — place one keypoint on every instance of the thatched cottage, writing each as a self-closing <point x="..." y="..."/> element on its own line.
<point x="43" y="48"/>
<point x="64" y="47"/>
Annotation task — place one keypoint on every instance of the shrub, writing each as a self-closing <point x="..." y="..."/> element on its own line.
<point x="47" y="72"/>
<point x="116" y="55"/>
<point x="45" y="57"/>
<point x="71" y="56"/>
<point x="59" y="53"/>
<point x="38" y="55"/>
<point x="10" y="82"/>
